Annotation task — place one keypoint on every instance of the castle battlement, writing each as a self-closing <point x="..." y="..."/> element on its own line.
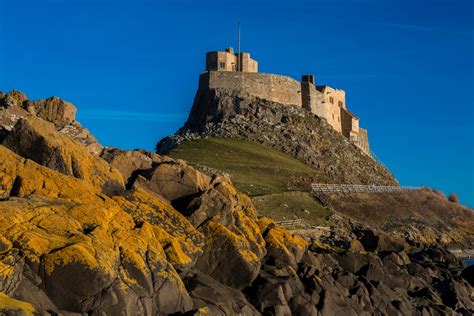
<point x="223" y="70"/>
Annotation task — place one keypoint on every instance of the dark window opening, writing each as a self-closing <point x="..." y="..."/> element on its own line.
<point x="331" y="100"/>
<point x="222" y="65"/>
<point x="340" y="104"/>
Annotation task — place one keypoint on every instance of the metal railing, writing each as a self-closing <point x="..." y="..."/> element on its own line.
<point x="291" y="222"/>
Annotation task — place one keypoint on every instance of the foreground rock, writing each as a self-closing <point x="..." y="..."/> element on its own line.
<point x="38" y="140"/>
<point x="15" y="105"/>
<point x="176" y="241"/>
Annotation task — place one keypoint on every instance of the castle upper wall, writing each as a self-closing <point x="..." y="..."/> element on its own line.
<point x="228" y="61"/>
<point x="247" y="64"/>
<point x="221" y="61"/>
<point x="271" y="87"/>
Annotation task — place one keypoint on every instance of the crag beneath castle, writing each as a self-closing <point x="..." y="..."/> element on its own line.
<point x="308" y="122"/>
<point x="238" y="72"/>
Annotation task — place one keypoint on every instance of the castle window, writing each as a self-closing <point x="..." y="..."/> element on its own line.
<point x="340" y="104"/>
<point x="222" y="65"/>
<point x="331" y="100"/>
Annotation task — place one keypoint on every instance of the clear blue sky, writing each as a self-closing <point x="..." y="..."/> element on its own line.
<point x="131" y="67"/>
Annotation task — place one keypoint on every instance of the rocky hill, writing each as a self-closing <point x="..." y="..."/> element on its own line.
<point x="301" y="134"/>
<point x="218" y="117"/>
<point x="135" y="233"/>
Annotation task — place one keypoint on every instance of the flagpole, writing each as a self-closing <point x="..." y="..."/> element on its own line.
<point x="239" y="66"/>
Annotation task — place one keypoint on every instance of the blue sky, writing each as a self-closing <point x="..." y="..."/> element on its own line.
<point x="131" y="67"/>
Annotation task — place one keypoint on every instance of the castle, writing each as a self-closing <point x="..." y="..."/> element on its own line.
<point x="239" y="72"/>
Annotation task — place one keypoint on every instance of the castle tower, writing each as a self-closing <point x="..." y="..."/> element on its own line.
<point x="229" y="61"/>
<point x="309" y="98"/>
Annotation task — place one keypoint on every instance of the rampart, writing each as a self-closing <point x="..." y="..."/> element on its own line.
<point x="271" y="87"/>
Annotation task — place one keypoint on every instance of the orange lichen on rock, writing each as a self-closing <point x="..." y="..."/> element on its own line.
<point x="42" y="143"/>
<point x="22" y="177"/>
<point x="11" y="306"/>
<point x="182" y="241"/>
<point x="288" y="249"/>
<point x="221" y="244"/>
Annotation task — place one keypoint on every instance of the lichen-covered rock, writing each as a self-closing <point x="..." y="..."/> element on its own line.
<point x="10" y="306"/>
<point x="15" y="105"/>
<point x="224" y="216"/>
<point x="21" y="177"/>
<point x="175" y="241"/>
<point x="38" y="140"/>
<point x="87" y="251"/>
<point x="283" y="248"/>
<point x="181" y="241"/>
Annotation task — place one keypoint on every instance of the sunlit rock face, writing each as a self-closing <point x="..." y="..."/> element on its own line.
<point x="134" y="233"/>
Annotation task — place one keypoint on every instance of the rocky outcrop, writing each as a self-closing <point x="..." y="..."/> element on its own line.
<point x="176" y="241"/>
<point x="301" y="134"/>
<point x="38" y="140"/>
<point x="15" y="105"/>
<point x="55" y="110"/>
<point x="212" y="205"/>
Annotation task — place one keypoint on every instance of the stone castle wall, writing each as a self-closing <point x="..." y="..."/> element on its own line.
<point x="324" y="101"/>
<point x="349" y="124"/>
<point x="363" y="141"/>
<point x="312" y="98"/>
<point x="271" y="87"/>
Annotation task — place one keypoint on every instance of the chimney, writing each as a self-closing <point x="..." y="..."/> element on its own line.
<point x="308" y="78"/>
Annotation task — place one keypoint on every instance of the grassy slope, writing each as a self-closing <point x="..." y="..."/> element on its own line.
<point x="278" y="183"/>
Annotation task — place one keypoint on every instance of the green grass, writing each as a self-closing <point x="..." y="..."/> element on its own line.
<point x="278" y="184"/>
<point x="254" y="169"/>
<point x="292" y="205"/>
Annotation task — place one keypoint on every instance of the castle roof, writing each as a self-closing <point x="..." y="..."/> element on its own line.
<point x="351" y="114"/>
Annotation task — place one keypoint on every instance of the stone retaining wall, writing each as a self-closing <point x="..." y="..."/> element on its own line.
<point x="271" y="87"/>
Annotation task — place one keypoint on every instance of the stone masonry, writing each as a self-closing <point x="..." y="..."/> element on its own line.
<point x="238" y="72"/>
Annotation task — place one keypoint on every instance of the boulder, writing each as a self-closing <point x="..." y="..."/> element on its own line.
<point x="132" y="163"/>
<point x="216" y="298"/>
<point x="221" y="244"/>
<point x="283" y="248"/>
<point x="55" y="110"/>
<point x="175" y="181"/>
<point x="38" y="140"/>
<point x="13" y="98"/>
